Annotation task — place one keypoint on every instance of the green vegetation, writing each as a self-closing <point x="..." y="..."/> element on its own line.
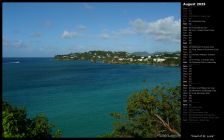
<point x="16" y="124"/>
<point x="165" y="59"/>
<point x="152" y="114"/>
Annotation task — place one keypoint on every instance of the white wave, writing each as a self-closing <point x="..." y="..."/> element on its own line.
<point x="14" y="62"/>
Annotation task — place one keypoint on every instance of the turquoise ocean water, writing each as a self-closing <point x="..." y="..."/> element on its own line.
<point x="78" y="96"/>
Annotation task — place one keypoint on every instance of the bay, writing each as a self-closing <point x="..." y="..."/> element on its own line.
<point x="78" y="96"/>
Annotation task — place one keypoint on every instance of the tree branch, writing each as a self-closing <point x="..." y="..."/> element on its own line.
<point x="167" y="126"/>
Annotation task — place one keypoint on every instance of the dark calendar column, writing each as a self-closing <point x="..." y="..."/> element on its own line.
<point x="201" y="111"/>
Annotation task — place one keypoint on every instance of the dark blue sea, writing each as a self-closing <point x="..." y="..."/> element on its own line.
<point x="78" y="96"/>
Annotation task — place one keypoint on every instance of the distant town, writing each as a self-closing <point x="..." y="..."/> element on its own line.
<point x="162" y="58"/>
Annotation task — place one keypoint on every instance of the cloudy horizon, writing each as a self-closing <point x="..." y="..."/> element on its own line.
<point x="47" y="29"/>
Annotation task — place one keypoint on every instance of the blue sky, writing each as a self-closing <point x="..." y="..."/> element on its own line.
<point x="47" y="29"/>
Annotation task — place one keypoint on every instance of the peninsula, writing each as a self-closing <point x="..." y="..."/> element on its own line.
<point x="121" y="57"/>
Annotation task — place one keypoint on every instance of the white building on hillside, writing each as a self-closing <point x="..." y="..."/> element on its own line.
<point x="139" y="59"/>
<point x="159" y="59"/>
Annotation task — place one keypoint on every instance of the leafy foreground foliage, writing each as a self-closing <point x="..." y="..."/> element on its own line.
<point x="154" y="113"/>
<point x="15" y="124"/>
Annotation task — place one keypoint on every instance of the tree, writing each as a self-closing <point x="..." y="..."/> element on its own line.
<point x="16" y="124"/>
<point x="154" y="113"/>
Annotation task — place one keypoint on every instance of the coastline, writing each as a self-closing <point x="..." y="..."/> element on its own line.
<point x="98" y="61"/>
<point x="163" y="59"/>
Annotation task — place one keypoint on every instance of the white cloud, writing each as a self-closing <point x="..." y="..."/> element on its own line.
<point x="81" y="28"/>
<point x="166" y="29"/>
<point x="13" y="43"/>
<point x="139" y="25"/>
<point x="69" y="34"/>
<point x="105" y="36"/>
<point x="18" y="43"/>
<point x="73" y="34"/>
